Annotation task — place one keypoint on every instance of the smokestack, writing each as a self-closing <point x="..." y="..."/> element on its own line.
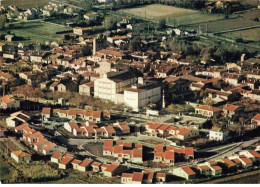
<point x="163" y="100"/>
<point x="94" y="46"/>
<point x="243" y="57"/>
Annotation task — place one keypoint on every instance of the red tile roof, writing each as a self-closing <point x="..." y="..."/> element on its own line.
<point x="110" y="129"/>
<point x="229" y="162"/>
<point x="204" y="167"/>
<point x="126" y="175"/>
<point x="138" y="146"/>
<point x="188" y="170"/>
<point x="163" y="127"/>
<point x="96" y="114"/>
<point x="21" y="154"/>
<point x="73" y="125"/>
<point x="231" y="107"/>
<point x="21" y="126"/>
<point x="160" y="175"/>
<point x="179" y="150"/>
<point x="127" y="144"/>
<point x="169" y="148"/>
<point x="75" y="161"/>
<point x="118" y="149"/>
<point x="111" y="168"/>
<point x="247" y="160"/>
<point x="49" y="146"/>
<point x="90" y="129"/>
<point x="154" y="125"/>
<point x="158" y="148"/>
<point x="66" y="160"/>
<point x="86" y="162"/>
<point x="96" y="164"/>
<point x="7" y="99"/>
<point x="236" y="160"/>
<point x="159" y="154"/>
<point x="46" y="110"/>
<point x="216" y="168"/>
<point x="138" y="153"/>
<point x="110" y="149"/>
<point x="137" y="176"/>
<point x="209" y="108"/>
<point x="254" y="153"/>
<point x="58" y="154"/>
<point x="108" y="143"/>
<point x="189" y="151"/>
<point x="256" y="117"/>
<point x="72" y="112"/>
<point x="183" y="131"/>
<point x="169" y="155"/>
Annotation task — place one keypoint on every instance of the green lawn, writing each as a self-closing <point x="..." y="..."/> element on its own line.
<point x="37" y="31"/>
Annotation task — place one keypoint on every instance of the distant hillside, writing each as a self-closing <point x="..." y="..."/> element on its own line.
<point x="24" y="3"/>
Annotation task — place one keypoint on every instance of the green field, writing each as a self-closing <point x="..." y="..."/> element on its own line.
<point x="37" y="31"/>
<point x="248" y="35"/>
<point x="173" y="15"/>
<point x="25" y="3"/>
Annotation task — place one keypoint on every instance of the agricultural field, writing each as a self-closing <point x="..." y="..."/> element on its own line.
<point x="248" y="35"/>
<point x="179" y="16"/>
<point x="25" y="3"/>
<point x="252" y="14"/>
<point x="36" y="31"/>
<point x="224" y="25"/>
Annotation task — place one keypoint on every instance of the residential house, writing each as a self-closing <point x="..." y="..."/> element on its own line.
<point x="230" y="110"/>
<point x="218" y="134"/>
<point x="56" y="157"/>
<point x="20" y="156"/>
<point x="8" y="102"/>
<point x="256" y="120"/>
<point x="121" y="127"/>
<point x="184" y="172"/>
<point x="85" y="165"/>
<point x="96" y="166"/>
<point x="46" y="113"/>
<point x="206" y="110"/>
<point x="251" y="154"/>
<point x="86" y="89"/>
<point x="65" y="162"/>
<point x="216" y="170"/>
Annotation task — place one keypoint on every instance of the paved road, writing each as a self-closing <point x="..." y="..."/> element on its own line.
<point x="232" y="150"/>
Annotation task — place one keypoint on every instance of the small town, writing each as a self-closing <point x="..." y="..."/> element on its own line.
<point x="129" y="92"/>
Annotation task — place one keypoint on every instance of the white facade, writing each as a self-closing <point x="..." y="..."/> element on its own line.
<point x="108" y="88"/>
<point x="218" y="135"/>
<point x="137" y="98"/>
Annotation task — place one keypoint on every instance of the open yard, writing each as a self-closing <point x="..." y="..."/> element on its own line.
<point x="36" y="31"/>
<point x="25" y="3"/>
<point x="179" y="16"/>
<point x="94" y="148"/>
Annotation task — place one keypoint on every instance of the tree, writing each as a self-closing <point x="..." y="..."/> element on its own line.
<point x="88" y="4"/>
<point x="135" y="44"/>
<point x="2" y="21"/>
<point x="162" y="24"/>
<point x="110" y="22"/>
